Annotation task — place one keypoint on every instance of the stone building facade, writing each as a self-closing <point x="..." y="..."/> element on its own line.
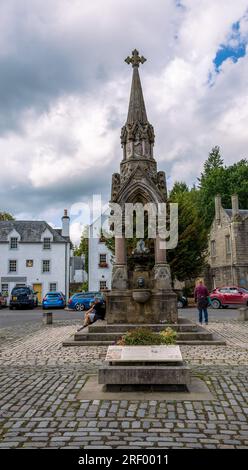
<point x="228" y="246"/>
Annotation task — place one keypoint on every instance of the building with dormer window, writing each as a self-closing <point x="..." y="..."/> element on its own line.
<point x="228" y="246"/>
<point x="34" y="253"/>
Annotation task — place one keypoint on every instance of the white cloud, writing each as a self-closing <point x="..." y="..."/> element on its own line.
<point x="66" y="149"/>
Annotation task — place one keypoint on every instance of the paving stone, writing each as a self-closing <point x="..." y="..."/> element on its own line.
<point x="40" y="381"/>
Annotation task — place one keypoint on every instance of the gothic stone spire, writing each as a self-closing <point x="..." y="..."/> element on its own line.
<point x="137" y="135"/>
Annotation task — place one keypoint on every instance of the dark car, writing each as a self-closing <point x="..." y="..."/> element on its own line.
<point x="23" y="297"/>
<point x="3" y="301"/>
<point x="182" y="301"/>
<point x="54" y="300"/>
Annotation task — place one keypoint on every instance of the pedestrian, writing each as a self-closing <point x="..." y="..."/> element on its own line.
<point x="96" y="312"/>
<point x="201" y="298"/>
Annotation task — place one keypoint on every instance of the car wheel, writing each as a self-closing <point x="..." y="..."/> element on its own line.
<point x="215" y="303"/>
<point x="179" y="304"/>
<point x="79" y="307"/>
<point x="11" y="308"/>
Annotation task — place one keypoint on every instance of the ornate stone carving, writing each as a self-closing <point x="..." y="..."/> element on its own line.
<point x="135" y="60"/>
<point x="140" y="248"/>
<point x="161" y="182"/>
<point x="162" y="276"/>
<point x="116" y="182"/>
<point x="119" y="277"/>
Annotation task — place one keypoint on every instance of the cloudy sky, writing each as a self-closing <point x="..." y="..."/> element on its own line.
<point x="64" y="90"/>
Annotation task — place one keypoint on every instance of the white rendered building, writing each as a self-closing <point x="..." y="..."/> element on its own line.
<point x="100" y="262"/>
<point x="35" y="254"/>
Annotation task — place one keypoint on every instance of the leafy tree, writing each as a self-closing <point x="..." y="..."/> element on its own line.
<point x="237" y="177"/>
<point x="224" y="180"/>
<point x="6" y="216"/>
<point x="83" y="247"/>
<point x="188" y="258"/>
<point x="178" y="188"/>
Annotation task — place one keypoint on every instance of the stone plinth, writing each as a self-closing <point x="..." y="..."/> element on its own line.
<point x="122" y="308"/>
<point x="144" y="366"/>
<point x="144" y="375"/>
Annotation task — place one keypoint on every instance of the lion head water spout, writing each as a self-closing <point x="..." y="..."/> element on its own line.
<point x="141" y="294"/>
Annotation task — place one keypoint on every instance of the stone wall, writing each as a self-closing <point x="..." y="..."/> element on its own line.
<point x="229" y="268"/>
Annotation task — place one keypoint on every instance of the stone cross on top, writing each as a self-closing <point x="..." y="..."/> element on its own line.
<point x="135" y="60"/>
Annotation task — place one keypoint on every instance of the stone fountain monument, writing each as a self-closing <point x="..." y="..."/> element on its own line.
<point x="142" y="294"/>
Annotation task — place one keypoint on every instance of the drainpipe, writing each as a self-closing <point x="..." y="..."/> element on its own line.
<point x="231" y="238"/>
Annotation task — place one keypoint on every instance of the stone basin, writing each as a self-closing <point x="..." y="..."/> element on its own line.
<point x="141" y="295"/>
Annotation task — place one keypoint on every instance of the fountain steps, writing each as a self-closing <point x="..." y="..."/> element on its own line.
<point x="202" y="336"/>
<point x="101" y="334"/>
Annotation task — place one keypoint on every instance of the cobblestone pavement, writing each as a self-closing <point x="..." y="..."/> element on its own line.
<point x="40" y="381"/>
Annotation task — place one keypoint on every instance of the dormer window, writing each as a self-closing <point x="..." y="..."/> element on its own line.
<point x="47" y="244"/>
<point x="13" y="243"/>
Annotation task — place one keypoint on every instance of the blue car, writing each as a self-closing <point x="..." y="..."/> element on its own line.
<point x="54" y="300"/>
<point x="83" y="300"/>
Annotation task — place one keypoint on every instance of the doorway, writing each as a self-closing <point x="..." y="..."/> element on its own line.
<point x="38" y="288"/>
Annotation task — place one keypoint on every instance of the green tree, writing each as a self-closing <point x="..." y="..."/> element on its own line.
<point x="178" y="188"/>
<point x="83" y="247"/>
<point x="224" y="180"/>
<point x="6" y="216"/>
<point x="188" y="258"/>
<point x="213" y="162"/>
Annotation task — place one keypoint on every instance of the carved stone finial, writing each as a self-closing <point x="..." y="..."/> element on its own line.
<point x="135" y="60"/>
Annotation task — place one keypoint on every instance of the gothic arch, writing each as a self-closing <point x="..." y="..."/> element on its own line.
<point x="139" y="191"/>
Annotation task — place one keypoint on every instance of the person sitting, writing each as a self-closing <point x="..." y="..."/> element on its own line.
<point x="95" y="313"/>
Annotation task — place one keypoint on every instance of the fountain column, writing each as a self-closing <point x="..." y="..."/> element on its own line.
<point x="161" y="270"/>
<point x="160" y="251"/>
<point x="120" y="250"/>
<point x="119" y="273"/>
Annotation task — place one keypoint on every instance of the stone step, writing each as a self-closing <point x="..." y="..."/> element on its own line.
<point x="72" y="342"/>
<point x="186" y="336"/>
<point x="96" y="328"/>
<point x="213" y="342"/>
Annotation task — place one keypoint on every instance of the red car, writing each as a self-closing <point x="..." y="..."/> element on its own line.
<point x="229" y="297"/>
<point x="3" y="301"/>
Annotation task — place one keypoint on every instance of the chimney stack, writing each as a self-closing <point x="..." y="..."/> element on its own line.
<point x="217" y="207"/>
<point x="65" y="224"/>
<point x="235" y="205"/>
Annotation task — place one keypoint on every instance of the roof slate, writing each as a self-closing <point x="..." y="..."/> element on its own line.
<point x="30" y="231"/>
<point x="242" y="212"/>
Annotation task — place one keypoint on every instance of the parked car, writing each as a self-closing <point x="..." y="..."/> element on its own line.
<point x="229" y="297"/>
<point x="3" y="301"/>
<point x="83" y="300"/>
<point x="54" y="300"/>
<point x="23" y="297"/>
<point x="182" y="301"/>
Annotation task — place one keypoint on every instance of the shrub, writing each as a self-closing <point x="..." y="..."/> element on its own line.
<point x="147" y="337"/>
